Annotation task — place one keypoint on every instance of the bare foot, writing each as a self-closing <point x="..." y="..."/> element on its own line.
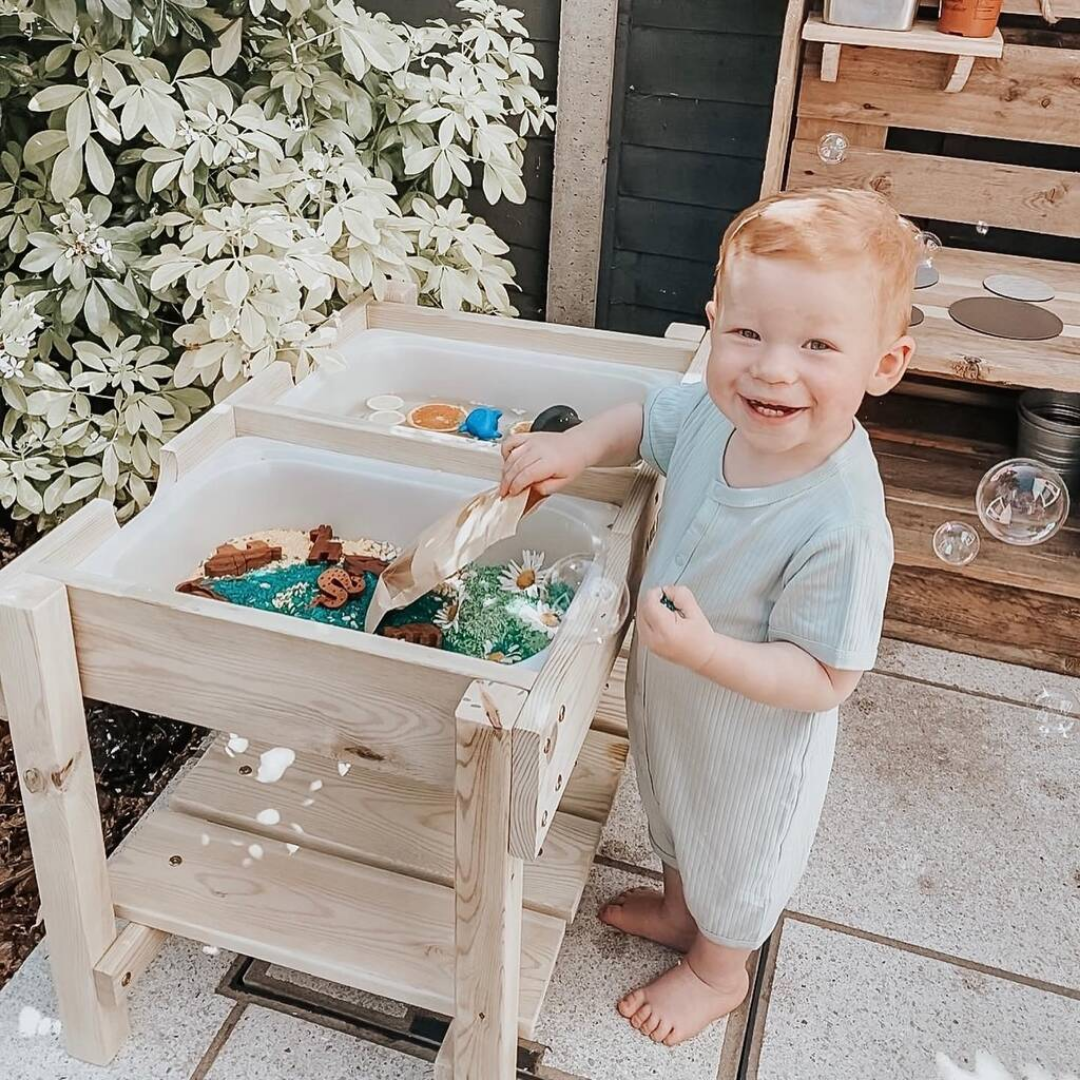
<point x="678" y="1005"/>
<point x="646" y="914"/>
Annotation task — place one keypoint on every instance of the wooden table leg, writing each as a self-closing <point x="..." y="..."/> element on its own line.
<point x="488" y="889"/>
<point x="40" y="677"/>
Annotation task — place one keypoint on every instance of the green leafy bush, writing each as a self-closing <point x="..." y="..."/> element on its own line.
<point x="190" y="190"/>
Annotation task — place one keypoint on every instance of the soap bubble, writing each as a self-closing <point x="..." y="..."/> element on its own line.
<point x="832" y="147"/>
<point x="982" y="228"/>
<point x="929" y="244"/>
<point x="593" y="607"/>
<point x="1022" y="502"/>
<point x="1057" y="711"/>
<point x="956" y="543"/>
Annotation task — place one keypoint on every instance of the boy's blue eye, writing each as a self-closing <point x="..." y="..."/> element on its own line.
<point x="817" y="345"/>
<point x="750" y="335"/>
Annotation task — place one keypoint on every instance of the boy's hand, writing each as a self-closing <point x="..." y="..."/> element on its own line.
<point x="543" y="461"/>
<point x="683" y="636"/>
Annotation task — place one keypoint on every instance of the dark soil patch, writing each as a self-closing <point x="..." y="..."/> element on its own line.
<point x="134" y="754"/>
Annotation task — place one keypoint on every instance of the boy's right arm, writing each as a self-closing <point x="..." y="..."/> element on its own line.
<point x="548" y="461"/>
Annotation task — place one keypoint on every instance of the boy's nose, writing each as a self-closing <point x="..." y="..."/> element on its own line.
<point x="774" y="366"/>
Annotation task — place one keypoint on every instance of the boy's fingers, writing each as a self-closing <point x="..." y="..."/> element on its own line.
<point x="511" y="443"/>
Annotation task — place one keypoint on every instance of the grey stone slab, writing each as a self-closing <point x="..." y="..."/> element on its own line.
<point x="950" y="823"/>
<point x="843" y="1008"/>
<point x="174" y="1011"/>
<point x="338" y="992"/>
<point x="579" y="1023"/>
<point x="269" y="1045"/>
<point x="626" y="834"/>
<point x="969" y="673"/>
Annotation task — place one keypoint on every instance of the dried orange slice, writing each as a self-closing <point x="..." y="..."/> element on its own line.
<point x="437" y="416"/>
<point x="522" y="427"/>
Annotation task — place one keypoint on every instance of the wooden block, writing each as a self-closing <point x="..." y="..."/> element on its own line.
<point x="468" y="459"/>
<point x="957" y="74"/>
<point x="127" y="958"/>
<point x="690" y="332"/>
<point x="783" y="103"/>
<point x="611" y="713"/>
<point x="56" y="778"/>
<point x="811" y="129"/>
<point x="266" y="387"/>
<point x="830" y="62"/>
<point x="587" y="344"/>
<point x="923" y="37"/>
<point x="444" y="1060"/>
<point x="357" y="925"/>
<point x="388" y="821"/>
<point x="487" y="886"/>
<point x="289" y="682"/>
<point x="953" y="189"/>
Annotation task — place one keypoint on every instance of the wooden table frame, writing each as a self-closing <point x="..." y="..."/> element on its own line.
<point x="498" y="743"/>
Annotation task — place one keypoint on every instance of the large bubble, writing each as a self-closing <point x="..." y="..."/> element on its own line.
<point x="1057" y="711"/>
<point x="832" y="147"/>
<point x="594" y="607"/>
<point x="1022" y="502"/>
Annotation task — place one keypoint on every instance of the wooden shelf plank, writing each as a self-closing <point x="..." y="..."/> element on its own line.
<point x="377" y="819"/>
<point x="356" y="925"/>
<point x="924" y="36"/>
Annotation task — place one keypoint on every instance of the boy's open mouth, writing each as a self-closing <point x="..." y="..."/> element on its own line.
<point x="770" y="410"/>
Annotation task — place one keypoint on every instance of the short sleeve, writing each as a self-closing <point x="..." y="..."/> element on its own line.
<point x="665" y="411"/>
<point x="833" y="599"/>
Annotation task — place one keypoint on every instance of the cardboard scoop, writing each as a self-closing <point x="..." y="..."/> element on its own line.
<point x="447" y="546"/>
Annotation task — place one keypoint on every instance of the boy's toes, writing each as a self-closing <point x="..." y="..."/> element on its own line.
<point x="662" y="1032"/>
<point x="641" y="1018"/>
<point x="650" y="1026"/>
<point x="630" y="1004"/>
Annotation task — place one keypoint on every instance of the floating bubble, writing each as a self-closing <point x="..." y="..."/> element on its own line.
<point x="1022" y="502"/>
<point x="593" y="607"/>
<point x="268" y="817"/>
<point x="982" y="228"/>
<point x="1057" y="711"/>
<point x="929" y="244"/>
<point x="832" y="147"/>
<point x="956" y="543"/>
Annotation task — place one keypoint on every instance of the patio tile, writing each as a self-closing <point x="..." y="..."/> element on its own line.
<point x="973" y="674"/>
<point x="175" y="1014"/>
<point x="950" y="823"/>
<point x="626" y="834"/>
<point x="585" y="1034"/>
<point x="270" y="1045"/>
<point x="849" y="1009"/>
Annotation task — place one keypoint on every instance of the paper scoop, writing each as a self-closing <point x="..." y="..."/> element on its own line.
<point x="445" y="547"/>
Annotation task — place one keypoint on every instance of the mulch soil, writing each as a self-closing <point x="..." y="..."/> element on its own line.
<point x="134" y="754"/>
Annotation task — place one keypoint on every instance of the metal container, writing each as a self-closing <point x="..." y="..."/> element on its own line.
<point x="872" y="14"/>
<point x="1050" y="432"/>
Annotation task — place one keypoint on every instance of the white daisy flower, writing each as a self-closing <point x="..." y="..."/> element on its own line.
<point x="541" y="616"/>
<point x="502" y="656"/>
<point x="446" y="618"/>
<point x="527" y="577"/>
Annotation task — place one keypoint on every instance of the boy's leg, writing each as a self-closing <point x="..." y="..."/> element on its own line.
<point x="710" y="982"/>
<point x="659" y="916"/>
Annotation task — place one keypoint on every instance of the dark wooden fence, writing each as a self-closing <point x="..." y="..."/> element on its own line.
<point x="690" y="121"/>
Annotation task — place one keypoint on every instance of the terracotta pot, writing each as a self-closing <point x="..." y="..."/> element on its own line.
<point x="969" y="18"/>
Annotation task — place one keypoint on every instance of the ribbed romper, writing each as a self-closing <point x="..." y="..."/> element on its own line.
<point x="733" y="789"/>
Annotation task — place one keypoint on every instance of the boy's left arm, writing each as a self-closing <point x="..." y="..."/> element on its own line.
<point x="775" y="673"/>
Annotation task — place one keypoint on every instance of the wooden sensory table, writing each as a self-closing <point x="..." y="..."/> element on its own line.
<point x="441" y="871"/>
<point x="954" y="416"/>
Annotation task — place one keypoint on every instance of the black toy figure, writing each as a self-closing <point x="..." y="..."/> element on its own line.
<point x="557" y="418"/>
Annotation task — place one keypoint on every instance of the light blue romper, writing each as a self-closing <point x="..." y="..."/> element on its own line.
<point x="733" y="789"/>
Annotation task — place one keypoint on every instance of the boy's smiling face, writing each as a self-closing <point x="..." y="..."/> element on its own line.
<point x="795" y="347"/>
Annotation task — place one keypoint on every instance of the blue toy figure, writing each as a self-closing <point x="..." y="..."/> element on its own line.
<point x="482" y="424"/>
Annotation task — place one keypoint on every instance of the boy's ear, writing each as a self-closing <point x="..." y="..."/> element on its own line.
<point x="891" y="367"/>
<point x="710" y="313"/>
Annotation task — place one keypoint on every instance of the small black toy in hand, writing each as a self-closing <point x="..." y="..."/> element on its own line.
<point x="557" y="418"/>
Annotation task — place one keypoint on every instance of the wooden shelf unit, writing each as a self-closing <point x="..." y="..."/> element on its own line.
<point x="1015" y="604"/>
<point x="923" y="37"/>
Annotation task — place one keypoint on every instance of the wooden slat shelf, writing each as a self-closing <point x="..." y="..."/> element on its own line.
<point x="923" y="37"/>
<point x="373" y="929"/>
<point x="378" y="819"/>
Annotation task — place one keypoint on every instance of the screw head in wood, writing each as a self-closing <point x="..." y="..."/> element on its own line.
<point x="562" y="713"/>
<point x="558" y="783"/>
<point x="126" y="980"/>
<point x="34" y="781"/>
<point x="175" y="860"/>
<point x="543" y="818"/>
<point x="244" y="770"/>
